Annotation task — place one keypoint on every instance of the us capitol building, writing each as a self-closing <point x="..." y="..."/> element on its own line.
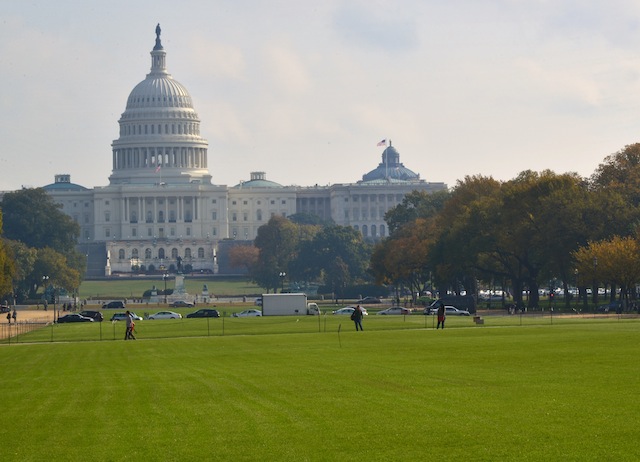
<point x="160" y="206"/>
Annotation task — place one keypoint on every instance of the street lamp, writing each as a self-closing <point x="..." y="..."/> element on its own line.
<point x="282" y="276"/>
<point x="164" y="278"/>
<point x="45" y="280"/>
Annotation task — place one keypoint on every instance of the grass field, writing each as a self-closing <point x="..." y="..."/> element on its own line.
<point x="561" y="391"/>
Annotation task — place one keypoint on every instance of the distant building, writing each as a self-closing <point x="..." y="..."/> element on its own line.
<point x="160" y="205"/>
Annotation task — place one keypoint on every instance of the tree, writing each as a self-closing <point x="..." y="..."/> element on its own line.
<point x="618" y="263"/>
<point x="277" y="242"/>
<point x="243" y="256"/>
<point x="416" y="204"/>
<point x="335" y="253"/>
<point x="7" y="267"/>
<point x="32" y="217"/>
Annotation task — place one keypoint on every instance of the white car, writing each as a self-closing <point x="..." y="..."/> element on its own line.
<point x="247" y="313"/>
<point x="395" y="310"/>
<point x="448" y="311"/>
<point x="349" y="310"/>
<point x="165" y="315"/>
<point x="123" y="317"/>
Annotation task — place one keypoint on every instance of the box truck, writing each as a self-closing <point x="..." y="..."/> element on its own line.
<point x="287" y="305"/>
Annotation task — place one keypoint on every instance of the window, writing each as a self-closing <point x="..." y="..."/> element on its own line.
<point x="107" y="216"/>
<point x="174" y="253"/>
<point x="364" y="230"/>
<point x="134" y="253"/>
<point x="188" y="231"/>
<point x="147" y="254"/>
<point x="121" y="254"/>
<point x="214" y="231"/>
<point x="187" y="253"/>
<point x="214" y="215"/>
<point x="259" y="215"/>
<point x="134" y="232"/>
<point x="160" y="253"/>
<point x="200" y="252"/>
<point x="107" y="232"/>
<point x="245" y="216"/>
<point x="234" y="216"/>
<point x="244" y="202"/>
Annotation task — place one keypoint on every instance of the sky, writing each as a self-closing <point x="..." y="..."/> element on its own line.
<point x="304" y="90"/>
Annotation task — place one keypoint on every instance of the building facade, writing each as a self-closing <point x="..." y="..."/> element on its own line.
<point x="161" y="210"/>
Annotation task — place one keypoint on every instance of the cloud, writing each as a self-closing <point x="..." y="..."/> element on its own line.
<point x="377" y="26"/>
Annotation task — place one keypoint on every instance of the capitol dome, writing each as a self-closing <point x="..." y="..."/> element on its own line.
<point x="390" y="169"/>
<point x="160" y="138"/>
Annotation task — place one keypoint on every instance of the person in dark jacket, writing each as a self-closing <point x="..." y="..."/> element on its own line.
<point x="357" y="317"/>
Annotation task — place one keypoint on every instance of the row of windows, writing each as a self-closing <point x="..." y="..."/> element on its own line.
<point x="272" y="202"/>
<point x="169" y="129"/>
<point x="374" y="230"/>
<point x="180" y="101"/>
<point x="364" y="214"/>
<point x="135" y="253"/>
<point x="375" y="198"/>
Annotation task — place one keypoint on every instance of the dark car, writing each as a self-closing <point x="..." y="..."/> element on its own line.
<point x="117" y="304"/>
<point x="204" y="313"/>
<point x="369" y="300"/>
<point x="4" y="309"/>
<point x="95" y="315"/>
<point x="612" y="307"/>
<point x="74" y="317"/>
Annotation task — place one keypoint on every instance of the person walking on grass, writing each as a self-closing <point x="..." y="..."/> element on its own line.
<point x="442" y="315"/>
<point x="128" y="335"/>
<point x="357" y="317"/>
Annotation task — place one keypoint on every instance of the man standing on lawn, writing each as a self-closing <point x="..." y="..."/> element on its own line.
<point x="128" y="335"/>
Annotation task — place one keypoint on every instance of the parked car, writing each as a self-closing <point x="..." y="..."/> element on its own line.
<point x="247" y="313"/>
<point x="448" y="310"/>
<point x="117" y="304"/>
<point x="165" y="315"/>
<point x="368" y="301"/>
<point x="95" y="315"/>
<point x="179" y="303"/>
<point x="258" y="301"/>
<point x="204" y="313"/>
<point x="74" y="317"/>
<point x="123" y="317"/>
<point x="4" y="309"/>
<point x="611" y="307"/>
<point x="396" y="310"/>
<point x="349" y="310"/>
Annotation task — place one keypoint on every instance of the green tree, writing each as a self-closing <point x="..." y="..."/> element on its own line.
<point x="329" y="252"/>
<point x="277" y="242"/>
<point x="416" y="204"/>
<point x="7" y="267"/>
<point x="32" y="217"/>
<point x="618" y="263"/>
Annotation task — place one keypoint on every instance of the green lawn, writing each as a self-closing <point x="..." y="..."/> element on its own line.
<point x="561" y="391"/>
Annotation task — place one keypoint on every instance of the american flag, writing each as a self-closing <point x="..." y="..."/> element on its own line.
<point x="382" y="143"/>
<point x="158" y="168"/>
